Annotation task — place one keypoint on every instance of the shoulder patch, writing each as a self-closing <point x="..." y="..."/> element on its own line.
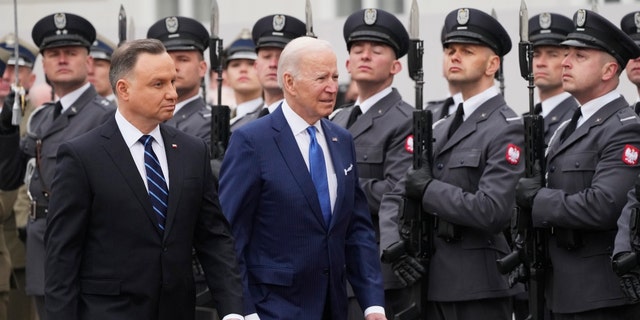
<point x="513" y="154"/>
<point x="630" y="155"/>
<point x="408" y="144"/>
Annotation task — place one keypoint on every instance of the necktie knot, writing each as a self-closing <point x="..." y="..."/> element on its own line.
<point x="263" y="112"/>
<point x="57" y="109"/>
<point x="537" y="110"/>
<point x="146" y="139"/>
<point x="353" y="116"/>
<point x="445" y="108"/>
<point x="571" y="127"/>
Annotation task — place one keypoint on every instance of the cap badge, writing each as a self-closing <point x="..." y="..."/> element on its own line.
<point x="636" y="19"/>
<point x="60" y="20"/>
<point x="463" y="16"/>
<point x="581" y="18"/>
<point x="278" y="22"/>
<point x="370" y="16"/>
<point x="171" y="23"/>
<point x="545" y="20"/>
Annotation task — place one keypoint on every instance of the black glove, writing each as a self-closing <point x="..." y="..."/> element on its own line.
<point x="22" y="234"/>
<point x="407" y="268"/>
<point x="527" y="188"/>
<point x="215" y="169"/>
<point x="628" y="270"/>
<point x="7" y="112"/>
<point x="417" y="180"/>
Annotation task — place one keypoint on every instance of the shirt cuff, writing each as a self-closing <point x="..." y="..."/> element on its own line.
<point x="233" y="316"/>
<point x="370" y="310"/>
<point x="253" y="316"/>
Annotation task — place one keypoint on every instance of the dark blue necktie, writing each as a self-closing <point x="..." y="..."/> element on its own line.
<point x="158" y="191"/>
<point x="318" y="171"/>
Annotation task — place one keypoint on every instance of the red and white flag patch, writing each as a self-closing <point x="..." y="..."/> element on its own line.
<point x="630" y="155"/>
<point x="513" y="154"/>
<point x="408" y="144"/>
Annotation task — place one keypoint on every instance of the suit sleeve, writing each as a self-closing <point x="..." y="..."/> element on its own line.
<point x="240" y="192"/>
<point x="215" y="247"/>
<point x="64" y="237"/>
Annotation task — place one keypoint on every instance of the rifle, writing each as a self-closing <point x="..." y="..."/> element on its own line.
<point x="500" y="74"/>
<point x="122" y="26"/>
<point x="531" y="248"/>
<point x="309" y="20"/>
<point x="220" y="115"/>
<point x="416" y="231"/>
<point x="19" y="102"/>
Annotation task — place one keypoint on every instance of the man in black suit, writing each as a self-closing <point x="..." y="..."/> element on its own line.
<point x="119" y="239"/>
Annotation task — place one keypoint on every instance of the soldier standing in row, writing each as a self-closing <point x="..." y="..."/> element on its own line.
<point x="591" y="163"/>
<point x="470" y="186"/>
<point x="630" y="24"/>
<point x="186" y="39"/>
<point x="64" y="40"/>
<point x="379" y="121"/>
<point x="101" y="51"/>
<point x="242" y="77"/>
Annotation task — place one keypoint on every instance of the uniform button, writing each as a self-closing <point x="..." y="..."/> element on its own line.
<point x="365" y="157"/>
<point x="440" y="166"/>
<point x="577" y="164"/>
<point x="490" y="242"/>
<point x="552" y="169"/>
<point x="165" y="249"/>
<point x="461" y="161"/>
<point x="545" y="224"/>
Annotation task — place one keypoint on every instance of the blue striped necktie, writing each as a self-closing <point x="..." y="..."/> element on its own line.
<point x="318" y="170"/>
<point x="157" y="185"/>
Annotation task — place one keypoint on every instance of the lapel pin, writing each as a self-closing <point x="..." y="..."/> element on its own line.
<point x="334" y="139"/>
<point x="174" y="146"/>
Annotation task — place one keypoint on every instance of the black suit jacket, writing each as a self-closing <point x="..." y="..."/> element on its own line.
<point x="106" y="259"/>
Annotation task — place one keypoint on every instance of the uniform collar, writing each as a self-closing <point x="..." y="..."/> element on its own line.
<point x="367" y="104"/>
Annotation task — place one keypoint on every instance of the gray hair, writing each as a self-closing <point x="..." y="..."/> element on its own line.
<point x="124" y="58"/>
<point x="293" y="53"/>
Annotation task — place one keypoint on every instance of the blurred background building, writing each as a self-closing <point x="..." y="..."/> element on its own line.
<point x="328" y="19"/>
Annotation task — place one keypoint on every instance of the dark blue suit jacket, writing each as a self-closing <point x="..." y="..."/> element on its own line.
<point x="290" y="261"/>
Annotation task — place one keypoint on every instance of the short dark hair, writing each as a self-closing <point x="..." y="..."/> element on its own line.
<point x="124" y="58"/>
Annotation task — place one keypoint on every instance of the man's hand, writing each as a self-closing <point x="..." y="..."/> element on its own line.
<point x="7" y="112"/>
<point x="625" y="264"/>
<point x="527" y="188"/>
<point x="375" y="316"/>
<point x="417" y="180"/>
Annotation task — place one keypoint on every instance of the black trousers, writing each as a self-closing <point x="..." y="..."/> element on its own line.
<point x="485" y="309"/>
<point x="625" y="312"/>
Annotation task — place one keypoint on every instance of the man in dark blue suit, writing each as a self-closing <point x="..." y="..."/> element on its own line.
<point x="135" y="196"/>
<point x="299" y="240"/>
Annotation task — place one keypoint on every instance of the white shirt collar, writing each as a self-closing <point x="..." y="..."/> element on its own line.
<point x="590" y="108"/>
<point x="179" y="105"/>
<point x="367" y="104"/>
<point x="551" y="103"/>
<point x="70" y="98"/>
<point x="131" y="134"/>
<point x="249" y="106"/>
<point x="470" y="105"/>
<point x="297" y="124"/>
<point x="272" y="107"/>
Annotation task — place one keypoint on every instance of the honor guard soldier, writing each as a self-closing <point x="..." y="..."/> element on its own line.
<point x="270" y="35"/>
<point x="630" y="24"/>
<point x="21" y="305"/>
<point x="591" y="163"/>
<point x="443" y="108"/>
<point x="101" y="51"/>
<point x="242" y="77"/>
<point x="469" y="187"/>
<point x="379" y="121"/>
<point x="186" y="40"/>
<point x="546" y="32"/>
<point x="64" y="40"/>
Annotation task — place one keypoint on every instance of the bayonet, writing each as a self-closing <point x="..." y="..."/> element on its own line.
<point x="524" y="22"/>
<point x="131" y="29"/>
<point x="500" y="74"/>
<point x="18" y="102"/>
<point x="122" y="26"/>
<point x="414" y="24"/>
<point x="215" y="19"/>
<point x="309" y="19"/>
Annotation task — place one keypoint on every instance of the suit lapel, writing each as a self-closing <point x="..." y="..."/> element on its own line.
<point x="176" y="176"/>
<point x="365" y="121"/>
<point x="117" y="149"/>
<point x="63" y="119"/>
<point x="338" y="165"/>
<point x="286" y="143"/>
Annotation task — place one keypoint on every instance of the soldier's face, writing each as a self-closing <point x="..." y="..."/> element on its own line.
<point x="584" y="70"/>
<point x="312" y="92"/>
<point x="99" y="77"/>
<point x="468" y="63"/>
<point x="25" y="76"/>
<point x="243" y="77"/>
<point x="66" y="67"/>
<point x="190" y="69"/>
<point x="267" y="67"/>
<point x="372" y="62"/>
<point x="633" y="71"/>
<point x="148" y="95"/>
<point x="547" y="67"/>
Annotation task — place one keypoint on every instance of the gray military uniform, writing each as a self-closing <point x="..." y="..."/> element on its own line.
<point x="380" y="136"/>
<point x="248" y="117"/>
<point x="87" y="112"/>
<point x="475" y="173"/>
<point x="440" y="108"/>
<point x="194" y="118"/>
<point x="588" y="176"/>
